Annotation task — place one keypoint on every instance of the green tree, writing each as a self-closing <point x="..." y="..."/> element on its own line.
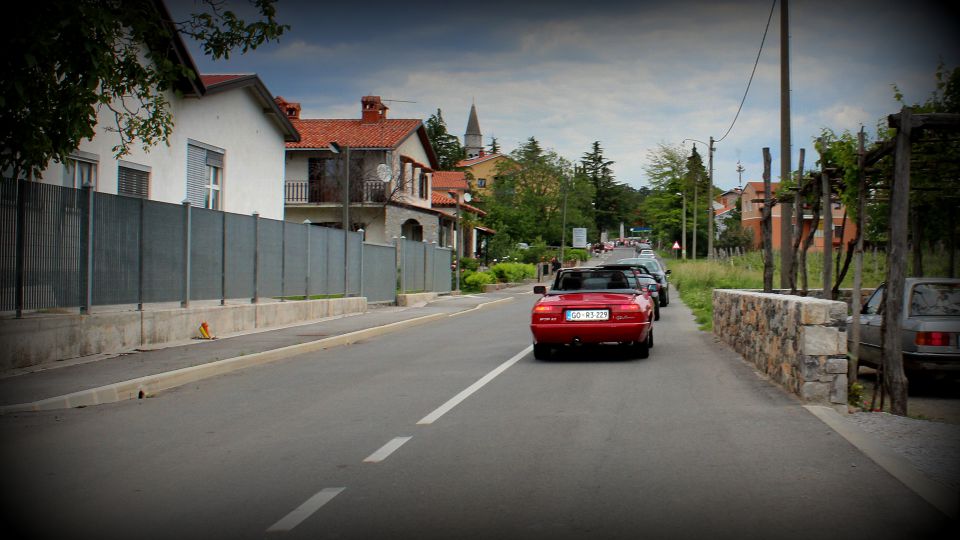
<point x="614" y="203"/>
<point x="494" y="146"/>
<point x="447" y="147"/>
<point x="66" y="60"/>
<point x="666" y="169"/>
<point x="527" y="201"/>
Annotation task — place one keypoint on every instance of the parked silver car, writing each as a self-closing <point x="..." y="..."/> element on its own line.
<point x="931" y="324"/>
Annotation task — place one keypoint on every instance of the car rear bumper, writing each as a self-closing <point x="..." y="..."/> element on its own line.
<point x="931" y="361"/>
<point x="561" y="334"/>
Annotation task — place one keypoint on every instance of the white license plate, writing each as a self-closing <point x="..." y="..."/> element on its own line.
<point x="588" y="315"/>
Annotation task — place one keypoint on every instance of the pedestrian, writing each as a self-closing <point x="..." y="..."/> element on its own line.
<point x="554" y="265"/>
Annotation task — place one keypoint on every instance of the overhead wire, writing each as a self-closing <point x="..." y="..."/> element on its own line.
<point x="752" y="73"/>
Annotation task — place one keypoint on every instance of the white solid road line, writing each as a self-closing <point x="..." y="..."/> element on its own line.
<point x="387" y="449"/>
<point x="305" y="510"/>
<point x="457" y="399"/>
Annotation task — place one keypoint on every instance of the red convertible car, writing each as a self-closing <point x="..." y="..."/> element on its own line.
<point x="591" y="305"/>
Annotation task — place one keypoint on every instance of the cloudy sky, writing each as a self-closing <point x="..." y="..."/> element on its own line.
<point x="631" y="74"/>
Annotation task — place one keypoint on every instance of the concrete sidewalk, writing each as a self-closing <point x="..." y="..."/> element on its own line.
<point x="142" y="372"/>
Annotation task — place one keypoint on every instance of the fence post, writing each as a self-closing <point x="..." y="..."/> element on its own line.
<point x="306" y="285"/>
<point x="223" y="262"/>
<point x="141" y="253"/>
<point x="256" y="258"/>
<point x="186" y="255"/>
<point x="363" y="235"/>
<point x="403" y="274"/>
<point x="86" y="247"/>
<point x="283" y="261"/>
<point x="19" y="288"/>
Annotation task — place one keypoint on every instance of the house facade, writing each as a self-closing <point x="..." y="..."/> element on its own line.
<point x="449" y="193"/>
<point x="388" y="179"/>
<point x="844" y="229"/>
<point x="225" y="152"/>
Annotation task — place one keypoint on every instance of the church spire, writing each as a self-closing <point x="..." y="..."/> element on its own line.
<point x="473" y="139"/>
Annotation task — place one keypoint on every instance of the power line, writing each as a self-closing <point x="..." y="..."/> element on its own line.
<point x="751" y="73"/>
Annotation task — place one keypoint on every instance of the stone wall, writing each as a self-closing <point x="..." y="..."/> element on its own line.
<point x="799" y="342"/>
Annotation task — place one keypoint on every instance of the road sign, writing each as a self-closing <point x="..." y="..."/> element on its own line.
<point x="641" y="229"/>
<point x="676" y="245"/>
<point x="579" y="237"/>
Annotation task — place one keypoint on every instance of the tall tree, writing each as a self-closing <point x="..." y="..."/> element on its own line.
<point x="666" y="169"/>
<point x="68" y="59"/>
<point x="494" y="146"/>
<point x="447" y="147"/>
<point x="610" y="206"/>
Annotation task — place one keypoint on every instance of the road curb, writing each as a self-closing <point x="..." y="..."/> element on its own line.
<point x="941" y="497"/>
<point x="151" y="384"/>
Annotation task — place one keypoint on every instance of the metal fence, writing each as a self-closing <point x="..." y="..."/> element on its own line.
<point x="66" y="248"/>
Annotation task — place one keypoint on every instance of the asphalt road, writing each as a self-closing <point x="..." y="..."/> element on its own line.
<point x="379" y="440"/>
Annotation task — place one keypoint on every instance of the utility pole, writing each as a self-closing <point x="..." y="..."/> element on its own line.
<point x="740" y="171"/>
<point x="786" y="210"/>
<point x="710" y="206"/>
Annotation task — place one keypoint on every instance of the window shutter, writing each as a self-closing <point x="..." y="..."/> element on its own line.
<point x="214" y="159"/>
<point x="197" y="175"/>
<point x="133" y="183"/>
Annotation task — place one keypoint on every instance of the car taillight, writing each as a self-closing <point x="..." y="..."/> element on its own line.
<point x="628" y="307"/>
<point x="545" y="309"/>
<point x="933" y="339"/>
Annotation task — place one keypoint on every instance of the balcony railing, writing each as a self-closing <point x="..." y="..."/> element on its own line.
<point x="315" y="192"/>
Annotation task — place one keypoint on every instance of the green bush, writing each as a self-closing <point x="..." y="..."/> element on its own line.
<point x="467" y="263"/>
<point x="474" y="281"/>
<point x="576" y="255"/>
<point x="510" y="272"/>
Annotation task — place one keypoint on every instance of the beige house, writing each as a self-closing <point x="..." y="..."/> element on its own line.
<point x="389" y="179"/>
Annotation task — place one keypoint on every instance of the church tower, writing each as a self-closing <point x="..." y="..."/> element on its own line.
<point x="473" y="139"/>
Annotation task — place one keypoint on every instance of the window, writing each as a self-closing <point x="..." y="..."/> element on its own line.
<point x="423" y="185"/>
<point x="204" y="175"/>
<point x="481" y="182"/>
<point x="212" y="199"/>
<point x="80" y="169"/>
<point x="133" y="180"/>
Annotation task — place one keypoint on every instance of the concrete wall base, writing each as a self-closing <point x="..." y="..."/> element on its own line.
<point x="39" y="338"/>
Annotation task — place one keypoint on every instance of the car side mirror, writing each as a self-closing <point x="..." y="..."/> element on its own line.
<point x="539" y="289"/>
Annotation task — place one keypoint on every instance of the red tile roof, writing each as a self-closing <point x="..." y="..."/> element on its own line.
<point x="758" y="186"/>
<point x="319" y="133"/>
<point x="450" y="180"/>
<point x="439" y="199"/>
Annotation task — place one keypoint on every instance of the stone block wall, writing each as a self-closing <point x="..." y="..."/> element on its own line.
<point x="799" y="342"/>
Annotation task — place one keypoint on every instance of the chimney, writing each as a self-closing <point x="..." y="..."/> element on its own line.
<point x="289" y="108"/>
<point x="372" y="110"/>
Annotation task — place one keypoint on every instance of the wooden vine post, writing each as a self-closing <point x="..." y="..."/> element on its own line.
<point x="766" y="225"/>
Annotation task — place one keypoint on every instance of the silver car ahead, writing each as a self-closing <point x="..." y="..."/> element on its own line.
<point x="931" y="324"/>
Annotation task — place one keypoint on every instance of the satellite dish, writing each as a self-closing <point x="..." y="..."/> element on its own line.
<point x="467" y="197"/>
<point x="384" y="173"/>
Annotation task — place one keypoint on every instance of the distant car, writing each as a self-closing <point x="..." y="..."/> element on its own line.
<point x="523" y="245"/>
<point x="655" y="269"/>
<point x="931" y="325"/>
<point x="646" y="252"/>
<point x="591" y="306"/>
<point x="608" y="246"/>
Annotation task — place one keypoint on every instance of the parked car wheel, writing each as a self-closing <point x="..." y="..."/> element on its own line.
<point x="541" y="351"/>
<point x="664" y="298"/>
<point x="656" y="311"/>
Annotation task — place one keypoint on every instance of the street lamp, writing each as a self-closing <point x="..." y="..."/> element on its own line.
<point x="345" y="218"/>
<point x="709" y="204"/>
<point x="683" y="239"/>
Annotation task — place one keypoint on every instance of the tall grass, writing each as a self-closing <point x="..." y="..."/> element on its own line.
<point x="695" y="280"/>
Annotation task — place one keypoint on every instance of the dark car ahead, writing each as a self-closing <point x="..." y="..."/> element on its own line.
<point x="655" y="269"/>
<point x="641" y="280"/>
<point x="931" y="325"/>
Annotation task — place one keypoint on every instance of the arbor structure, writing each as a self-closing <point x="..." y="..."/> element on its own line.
<point x="68" y="60"/>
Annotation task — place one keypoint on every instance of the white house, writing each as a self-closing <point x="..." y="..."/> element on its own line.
<point x="226" y="150"/>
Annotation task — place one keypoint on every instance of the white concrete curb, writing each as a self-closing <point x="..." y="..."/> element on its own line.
<point x="938" y="495"/>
